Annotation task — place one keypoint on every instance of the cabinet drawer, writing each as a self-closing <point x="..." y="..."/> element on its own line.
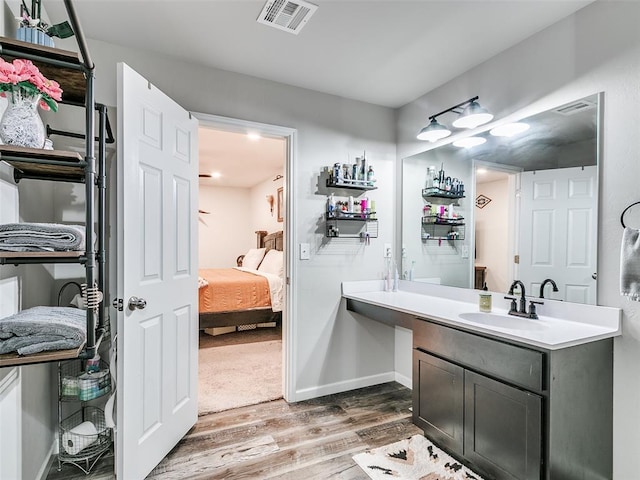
<point x="513" y="364"/>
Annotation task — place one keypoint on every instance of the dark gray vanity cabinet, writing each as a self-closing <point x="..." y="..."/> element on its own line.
<point x="503" y="428"/>
<point x="512" y="411"/>
<point x="438" y="399"/>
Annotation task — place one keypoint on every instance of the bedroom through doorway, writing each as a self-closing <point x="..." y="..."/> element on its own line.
<point x="241" y="267"/>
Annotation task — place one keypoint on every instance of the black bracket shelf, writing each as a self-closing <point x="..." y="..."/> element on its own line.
<point x="362" y="185"/>
<point x="439" y="193"/>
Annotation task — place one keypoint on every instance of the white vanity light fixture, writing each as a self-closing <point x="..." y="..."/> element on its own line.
<point x="434" y="131"/>
<point x="254" y="136"/>
<point x="509" y="129"/>
<point x="471" y="115"/>
<point x="469" y="142"/>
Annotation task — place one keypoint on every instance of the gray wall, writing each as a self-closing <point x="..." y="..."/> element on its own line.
<point x="333" y="351"/>
<point x="597" y="49"/>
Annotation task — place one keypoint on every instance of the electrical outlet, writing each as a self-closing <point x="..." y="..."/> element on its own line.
<point x="404" y="251"/>
<point x="465" y="251"/>
<point x="387" y="250"/>
<point x="305" y="251"/>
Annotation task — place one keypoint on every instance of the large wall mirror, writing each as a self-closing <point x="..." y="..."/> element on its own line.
<point x="514" y="207"/>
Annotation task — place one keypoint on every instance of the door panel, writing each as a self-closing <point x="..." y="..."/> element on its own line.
<point x="157" y="262"/>
<point x="558" y="232"/>
<point x="438" y="399"/>
<point x="503" y="428"/>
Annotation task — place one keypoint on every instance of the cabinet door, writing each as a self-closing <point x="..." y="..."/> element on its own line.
<point x="438" y="399"/>
<point x="502" y="428"/>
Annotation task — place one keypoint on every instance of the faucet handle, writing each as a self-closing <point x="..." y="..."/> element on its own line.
<point x="532" y="308"/>
<point x="514" y="305"/>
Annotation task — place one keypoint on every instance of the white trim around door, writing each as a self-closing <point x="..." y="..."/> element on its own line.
<point x="288" y="322"/>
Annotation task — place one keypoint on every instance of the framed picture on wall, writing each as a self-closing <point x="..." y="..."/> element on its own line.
<point x="280" y="205"/>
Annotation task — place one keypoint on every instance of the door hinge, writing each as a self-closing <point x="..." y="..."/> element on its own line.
<point x="118" y="304"/>
<point x="516" y="259"/>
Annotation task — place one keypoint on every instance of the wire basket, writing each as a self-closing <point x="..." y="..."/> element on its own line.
<point x="84" y="435"/>
<point x="78" y="384"/>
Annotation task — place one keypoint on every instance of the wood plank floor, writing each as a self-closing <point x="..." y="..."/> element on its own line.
<point x="307" y="440"/>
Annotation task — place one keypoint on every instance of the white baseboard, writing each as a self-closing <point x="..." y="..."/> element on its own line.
<point x="404" y="380"/>
<point x="345" y="386"/>
<point x="46" y="466"/>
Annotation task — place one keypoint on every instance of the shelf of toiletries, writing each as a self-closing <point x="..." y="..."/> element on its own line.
<point x="351" y="218"/>
<point x="355" y="227"/>
<point x="442" y="231"/>
<point x="356" y="176"/>
<point x="439" y="185"/>
<point x="77" y="384"/>
<point x="438" y="220"/>
<point x="84" y="436"/>
<point x="433" y="192"/>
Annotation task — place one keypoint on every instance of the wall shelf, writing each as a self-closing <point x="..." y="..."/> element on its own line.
<point x="438" y="193"/>
<point x="353" y="185"/>
<point x="62" y="65"/>
<point x="13" y="359"/>
<point x="41" y="164"/>
<point x="344" y="227"/>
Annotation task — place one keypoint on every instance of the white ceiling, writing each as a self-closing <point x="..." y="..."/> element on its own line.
<point x="383" y="52"/>
<point x="241" y="161"/>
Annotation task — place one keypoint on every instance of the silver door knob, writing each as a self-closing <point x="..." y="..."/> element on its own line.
<point x="135" y="302"/>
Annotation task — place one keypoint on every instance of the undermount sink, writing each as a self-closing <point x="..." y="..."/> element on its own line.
<point x="502" y="321"/>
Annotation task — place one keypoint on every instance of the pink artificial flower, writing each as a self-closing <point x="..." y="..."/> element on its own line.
<point x="52" y="88"/>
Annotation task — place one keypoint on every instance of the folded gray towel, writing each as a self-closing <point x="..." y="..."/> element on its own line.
<point x="41" y="237"/>
<point x="630" y="264"/>
<point x="39" y="329"/>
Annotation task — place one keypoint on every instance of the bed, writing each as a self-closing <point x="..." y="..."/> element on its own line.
<point x="241" y="296"/>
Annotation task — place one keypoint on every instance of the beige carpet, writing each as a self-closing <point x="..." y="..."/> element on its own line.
<point x="236" y="374"/>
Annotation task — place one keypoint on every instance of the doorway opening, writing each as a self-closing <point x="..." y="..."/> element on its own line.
<point x="242" y="231"/>
<point x="495" y="221"/>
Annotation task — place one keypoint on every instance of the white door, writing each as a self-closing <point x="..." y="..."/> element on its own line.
<point x="157" y="263"/>
<point x="558" y="224"/>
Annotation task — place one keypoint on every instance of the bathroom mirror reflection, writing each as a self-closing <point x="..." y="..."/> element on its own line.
<point x="528" y="211"/>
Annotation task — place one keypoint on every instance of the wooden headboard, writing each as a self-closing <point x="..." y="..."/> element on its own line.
<point x="269" y="241"/>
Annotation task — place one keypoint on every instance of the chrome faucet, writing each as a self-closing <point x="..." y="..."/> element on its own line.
<point x="522" y="311"/>
<point x="553" y="285"/>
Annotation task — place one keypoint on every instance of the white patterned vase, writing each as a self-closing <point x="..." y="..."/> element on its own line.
<point x="21" y="124"/>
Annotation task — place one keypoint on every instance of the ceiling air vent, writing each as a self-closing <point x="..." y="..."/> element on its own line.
<point x="575" y="107"/>
<point x="287" y="15"/>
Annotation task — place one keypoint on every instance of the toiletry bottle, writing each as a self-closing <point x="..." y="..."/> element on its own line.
<point x="431" y="172"/>
<point x="411" y="270"/>
<point x="364" y="208"/>
<point x="350" y="205"/>
<point x="387" y="275"/>
<point x="331" y="207"/>
<point x="370" y="176"/>
<point x="372" y="209"/>
<point x="395" y="277"/>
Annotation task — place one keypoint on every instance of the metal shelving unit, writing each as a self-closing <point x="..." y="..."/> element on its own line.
<point x="75" y="73"/>
<point x="76" y="77"/>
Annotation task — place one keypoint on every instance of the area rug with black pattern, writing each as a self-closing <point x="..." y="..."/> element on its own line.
<point x="415" y="458"/>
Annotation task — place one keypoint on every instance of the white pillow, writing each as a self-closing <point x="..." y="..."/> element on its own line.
<point x="253" y="258"/>
<point x="273" y="263"/>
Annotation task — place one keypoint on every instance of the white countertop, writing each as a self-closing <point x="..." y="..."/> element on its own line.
<point x="560" y="324"/>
